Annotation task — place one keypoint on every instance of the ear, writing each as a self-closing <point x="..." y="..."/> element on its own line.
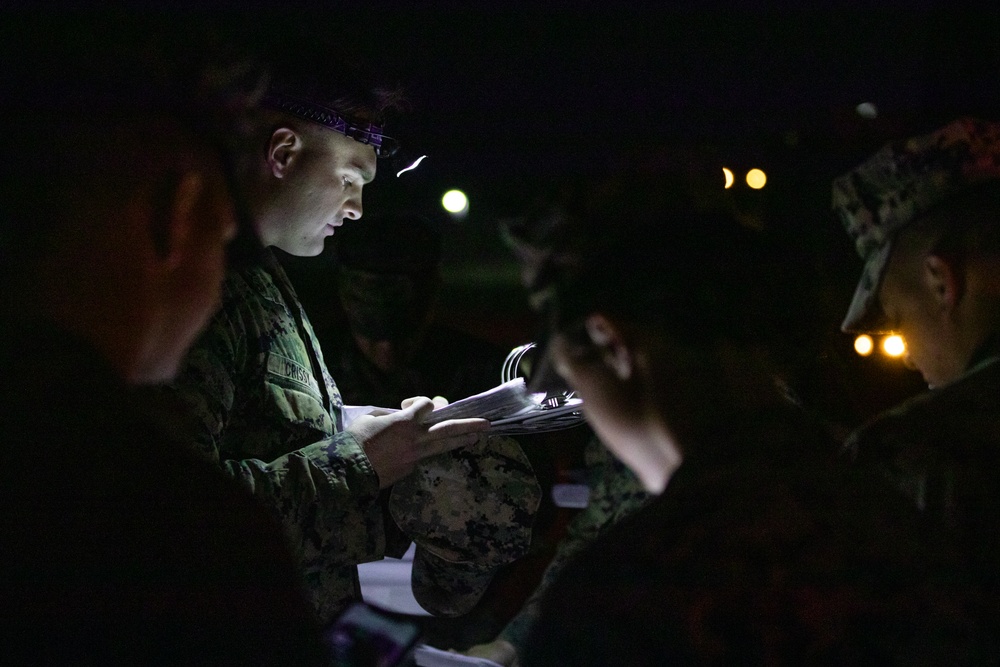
<point x="282" y="150"/>
<point x="608" y="337"/>
<point x="181" y="218"/>
<point x="944" y="280"/>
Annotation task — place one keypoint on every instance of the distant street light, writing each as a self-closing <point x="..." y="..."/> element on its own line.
<point x="756" y="179"/>
<point x="455" y="202"/>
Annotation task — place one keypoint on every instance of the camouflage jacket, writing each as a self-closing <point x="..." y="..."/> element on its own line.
<point x="942" y="448"/>
<point x="761" y="550"/>
<point x="615" y="492"/>
<point x="271" y="415"/>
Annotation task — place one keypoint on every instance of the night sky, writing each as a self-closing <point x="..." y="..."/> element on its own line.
<point x="507" y="96"/>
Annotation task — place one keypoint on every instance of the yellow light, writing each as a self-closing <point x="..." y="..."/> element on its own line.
<point x="894" y="346"/>
<point x="455" y="201"/>
<point x="756" y="179"/>
<point x="864" y="345"/>
<point x="730" y="179"/>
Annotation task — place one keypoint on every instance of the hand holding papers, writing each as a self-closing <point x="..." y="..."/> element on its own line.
<point x="509" y="407"/>
<point x="511" y="410"/>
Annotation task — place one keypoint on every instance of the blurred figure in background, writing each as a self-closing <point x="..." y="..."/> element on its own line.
<point x="119" y="544"/>
<point x="389" y="282"/>
<point x="924" y="215"/>
<point x="668" y="317"/>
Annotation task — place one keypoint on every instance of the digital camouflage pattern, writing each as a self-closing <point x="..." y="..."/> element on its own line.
<point x="899" y="183"/>
<point x="615" y="492"/>
<point x="264" y="416"/>
<point x="942" y="449"/>
<point x="267" y="421"/>
<point x="471" y="510"/>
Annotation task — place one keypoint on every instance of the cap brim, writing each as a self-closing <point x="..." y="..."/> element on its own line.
<point x="864" y="313"/>
<point x="470" y="511"/>
<point x="448" y="589"/>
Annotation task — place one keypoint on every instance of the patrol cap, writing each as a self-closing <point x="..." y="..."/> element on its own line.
<point x="469" y="511"/>
<point x="382" y="306"/>
<point x="900" y="183"/>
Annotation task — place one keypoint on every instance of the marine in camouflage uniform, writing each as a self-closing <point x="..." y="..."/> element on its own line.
<point x="271" y="416"/>
<point x="772" y="557"/>
<point x="388" y="278"/>
<point x="942" y="448"/>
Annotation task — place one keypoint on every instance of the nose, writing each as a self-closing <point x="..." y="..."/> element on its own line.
<point x="352" y="207"/>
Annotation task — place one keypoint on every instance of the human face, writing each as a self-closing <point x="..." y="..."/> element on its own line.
<point x="617" y="413"/>
<point x="192" y="289"/>
<point x="911" y="310"/>
<point x="321" y="189"/>
<point x="185" y="280"/>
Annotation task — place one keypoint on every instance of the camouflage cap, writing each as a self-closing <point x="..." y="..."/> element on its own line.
<point x="469" y="511"/>
<point x="898" y="184"/>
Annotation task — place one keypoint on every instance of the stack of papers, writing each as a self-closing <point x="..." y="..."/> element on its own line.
<point x="512" y="410"/>
<point x="428" y="656"/>
<point x="509" y="407"/>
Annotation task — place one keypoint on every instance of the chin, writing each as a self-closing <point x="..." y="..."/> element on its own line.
<point x="312" y="251"/>
<point x="304" y="249"/>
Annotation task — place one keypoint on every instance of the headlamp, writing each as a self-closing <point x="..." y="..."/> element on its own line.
<point x="366" y="133"/>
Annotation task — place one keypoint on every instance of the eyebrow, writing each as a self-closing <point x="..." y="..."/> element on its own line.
<point x="366" y="175"/>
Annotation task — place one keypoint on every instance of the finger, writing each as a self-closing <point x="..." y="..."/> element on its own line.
<point x="417" y="407"/>
<point x="453" y="427"/>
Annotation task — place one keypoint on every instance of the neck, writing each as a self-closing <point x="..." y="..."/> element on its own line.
<point x="988" y="348"/>
<point x="661" y="459"/>
<point x="266" y="208"/>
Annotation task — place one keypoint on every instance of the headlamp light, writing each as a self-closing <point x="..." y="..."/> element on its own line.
<point x="366" y="133"/>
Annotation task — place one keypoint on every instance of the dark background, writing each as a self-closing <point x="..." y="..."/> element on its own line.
<point x="507" y="97"/>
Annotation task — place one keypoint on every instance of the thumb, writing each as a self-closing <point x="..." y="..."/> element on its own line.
<point x="417" y="406"/>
